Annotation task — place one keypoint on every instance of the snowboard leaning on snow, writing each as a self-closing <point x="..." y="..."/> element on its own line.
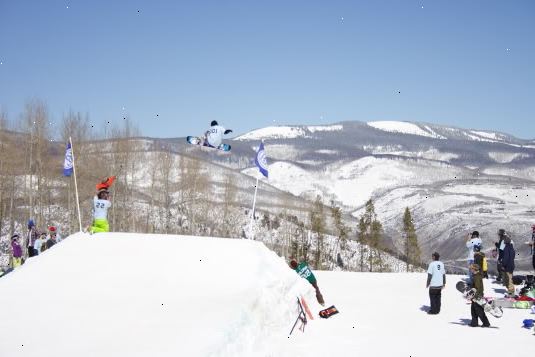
<point x="489" y="305"/>
<point x="196" y="140"/>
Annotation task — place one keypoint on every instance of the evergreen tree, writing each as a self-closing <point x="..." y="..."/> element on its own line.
<point x="343" y="231"/>
<point x="317" y="225"/>
<point x="371" y="233"/>
<point x="412" y="250"/>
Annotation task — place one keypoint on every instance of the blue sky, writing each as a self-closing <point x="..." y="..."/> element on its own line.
<point x="176" y="65"/>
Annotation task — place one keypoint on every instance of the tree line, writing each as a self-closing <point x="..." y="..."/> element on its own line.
<point x="159" y="192"/>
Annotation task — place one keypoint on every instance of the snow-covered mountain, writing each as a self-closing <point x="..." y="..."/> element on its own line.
<point x="455" y="180"/>
<point x="200" y="297"/>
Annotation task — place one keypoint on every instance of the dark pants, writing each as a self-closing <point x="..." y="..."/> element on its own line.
<point x="533" y="260"/>
<point x="500" y="271"/>
<point x="319" y="297"/>
<point x="478" y="312"/>
<point x="31" y="252"/>
<point x="435" y="295"/>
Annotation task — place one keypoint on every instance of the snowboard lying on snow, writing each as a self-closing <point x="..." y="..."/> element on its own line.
<point x="328" y="312"/>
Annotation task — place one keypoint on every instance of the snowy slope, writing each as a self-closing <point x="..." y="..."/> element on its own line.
<point x="402" y="127"/>
<point x="197" y="296"/>
<point x="123" y="294"/>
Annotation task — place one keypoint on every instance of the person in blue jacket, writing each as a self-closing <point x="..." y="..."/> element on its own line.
<point x="508" y="263"/>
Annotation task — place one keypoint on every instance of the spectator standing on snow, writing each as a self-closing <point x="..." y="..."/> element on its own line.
<point x="17" y="251"/>
<point x="304" y="271"/>
<point x="101" y="204"/>
<point x="508" y="263"/>
<point x="476" y="309"/>
<point x="436" y="281"/>
<point x="500" y="245"/>
<point x="471" y="241"/>
<point x="33" y="236"/>
<point x="38" y="245"/>
<point x="51" y="237"/>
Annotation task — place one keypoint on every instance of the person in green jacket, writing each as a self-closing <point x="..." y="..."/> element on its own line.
<point x="476" y="308"/>
<point x="304" y="271"/>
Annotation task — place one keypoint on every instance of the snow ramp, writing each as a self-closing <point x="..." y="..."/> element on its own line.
<point x="123" y="294"/>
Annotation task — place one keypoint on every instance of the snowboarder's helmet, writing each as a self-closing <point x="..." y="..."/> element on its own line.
<point x="475" y="234"/>
<point x="213" y="123"/>
<point x="293" y="263"/>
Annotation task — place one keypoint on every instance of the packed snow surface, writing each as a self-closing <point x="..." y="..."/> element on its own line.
<point x="121" y="294"/>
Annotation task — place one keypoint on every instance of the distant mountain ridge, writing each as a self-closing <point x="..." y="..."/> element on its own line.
<point x="454" y="179"/>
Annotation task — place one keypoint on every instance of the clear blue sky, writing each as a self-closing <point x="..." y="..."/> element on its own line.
<point x="176" y="65"/>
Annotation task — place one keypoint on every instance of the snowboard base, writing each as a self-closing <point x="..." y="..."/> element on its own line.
<point x="328" y="312"/>
<point x="196" y="140"/>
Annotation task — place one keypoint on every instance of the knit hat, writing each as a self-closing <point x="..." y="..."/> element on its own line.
<point x="528" y="323"/>
<point x="293" y="263"/>
<point x="213" y="123"/>
<point x="31" y="223"/>
<point x="51" y="229"/>
<point x="435" y="255"/>
<point x="475" y="234"/>
<point x="501" y="232"/>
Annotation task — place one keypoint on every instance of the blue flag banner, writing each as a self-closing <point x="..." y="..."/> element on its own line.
<point x="67" y="165"/>
<point x="260" y="160"/>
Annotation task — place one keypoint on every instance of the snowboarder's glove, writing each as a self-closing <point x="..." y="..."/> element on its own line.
<point x="228" y="131"/>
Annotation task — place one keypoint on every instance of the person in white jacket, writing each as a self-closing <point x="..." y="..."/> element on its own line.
<point x="471" y="241"/>
<point x="214" y="135"/>
<point x="39" y="242"/>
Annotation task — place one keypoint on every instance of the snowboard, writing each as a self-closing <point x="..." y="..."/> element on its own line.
<point x="328" y="312"/>
<point x="195" y="140"/>
<point x="489" y="305"/>
<point x="105" y="184"/>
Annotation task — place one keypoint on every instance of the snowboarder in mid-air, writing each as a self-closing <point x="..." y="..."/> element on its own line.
<point x="304" y="271"/>
<point x="213" y="137"/>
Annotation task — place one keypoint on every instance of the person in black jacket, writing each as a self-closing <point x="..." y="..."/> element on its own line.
<point x="500" y="245"/>
<point x="508" y="264"/>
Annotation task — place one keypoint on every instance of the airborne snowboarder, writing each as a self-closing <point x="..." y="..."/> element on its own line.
<point x="213" y="137"/>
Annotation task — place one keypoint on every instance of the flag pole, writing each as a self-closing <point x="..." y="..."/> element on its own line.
<point x="252" y="212"/>
<point x="76" y="186"/>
